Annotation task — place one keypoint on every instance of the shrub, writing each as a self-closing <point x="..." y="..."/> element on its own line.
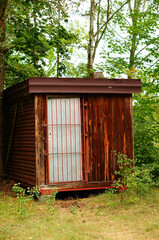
<point x="135" y="180"/>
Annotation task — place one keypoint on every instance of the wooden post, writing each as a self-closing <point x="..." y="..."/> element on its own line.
<point x="39" y="140"/>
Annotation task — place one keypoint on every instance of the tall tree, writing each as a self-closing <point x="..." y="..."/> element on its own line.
<point x="132" y="40"/>
<point x="37" y="30"/>
<point x="100" y="16"/>
<point x="61" y="39"/>
<point x="3" y="16"/>
<point x="142" y="15"/>
<point x="26" y="41"/>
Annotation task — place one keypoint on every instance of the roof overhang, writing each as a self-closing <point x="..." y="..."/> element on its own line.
<point x="84" y="85"/>
<point x="47" y="85"/>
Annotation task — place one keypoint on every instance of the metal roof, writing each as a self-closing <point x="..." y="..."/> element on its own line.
<point x="73" y="85"/>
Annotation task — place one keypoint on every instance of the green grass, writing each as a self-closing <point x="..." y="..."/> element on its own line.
<point x="96" y="217"/>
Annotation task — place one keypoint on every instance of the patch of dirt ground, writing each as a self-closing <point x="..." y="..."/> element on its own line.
<point x="69" y="203"/>
<point x="6" y="187"/>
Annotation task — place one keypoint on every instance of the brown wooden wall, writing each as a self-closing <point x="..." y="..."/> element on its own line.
<point x="110" y="128"/>
<point x="19" y="140"/>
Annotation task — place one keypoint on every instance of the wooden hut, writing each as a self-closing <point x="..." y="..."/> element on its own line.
<point x="61" y="132"/>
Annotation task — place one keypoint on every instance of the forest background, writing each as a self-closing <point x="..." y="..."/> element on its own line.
<point x="75" y="38"/>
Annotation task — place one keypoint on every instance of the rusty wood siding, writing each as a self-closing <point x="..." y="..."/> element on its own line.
<point x="110" y="128"/>
<point x="21" y="161"/>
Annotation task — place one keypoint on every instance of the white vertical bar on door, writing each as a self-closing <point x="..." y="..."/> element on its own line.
<point x="54" y="139"/>
<point x="50" y="141"/>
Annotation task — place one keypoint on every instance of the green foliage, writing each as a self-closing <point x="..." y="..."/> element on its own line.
<point x="139" y="182"/>
<point x="23" y="198"/>
<point x="154" y="170"/>
<point x="146" y="121"/>
<point x="124" y="170"/>
<point x="60" y="50"/>
<point x="73" y="210"/>
<point x="33" y="192"/>
<point x="26" y="41"/>
<point x="132" y="40"/>
<point x="33" y="29"/>
<point x="49" y="199"/>
<point x="132" y="181"/>
<point x="76" y="71"/>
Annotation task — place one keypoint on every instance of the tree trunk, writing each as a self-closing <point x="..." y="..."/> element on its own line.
<point x="3" y="17"/>
<point x="91" y="39"/>
<point x="96" y="37"/>
<point x="134" y="15"/>
<point x="58" y="42"/>
<point x="132" y="57"/>
<point x="2" y="72"/>
<point x="1" y="107"/>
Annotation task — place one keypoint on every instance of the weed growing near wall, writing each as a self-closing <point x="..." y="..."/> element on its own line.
<point x="23" y="198"/>
<point x="49" y="199"/>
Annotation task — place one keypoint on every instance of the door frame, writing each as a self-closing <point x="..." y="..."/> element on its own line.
<point x="84" y="137"/>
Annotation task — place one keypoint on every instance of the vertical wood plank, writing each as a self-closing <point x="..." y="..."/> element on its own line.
<point x="90" y="124"/>
<point x="122" y="119"/>
<point x="96" y="143"/>
<point x="94" y="170"/>
<point x="129" y="127"/>
<point x="113" y="158"/>
<point x="116" y="128"/>
<point x="106" y="141"/>
<point x="39" y="140"/>
<point x="101" y="137"/>
<point x="110" y="135"/>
